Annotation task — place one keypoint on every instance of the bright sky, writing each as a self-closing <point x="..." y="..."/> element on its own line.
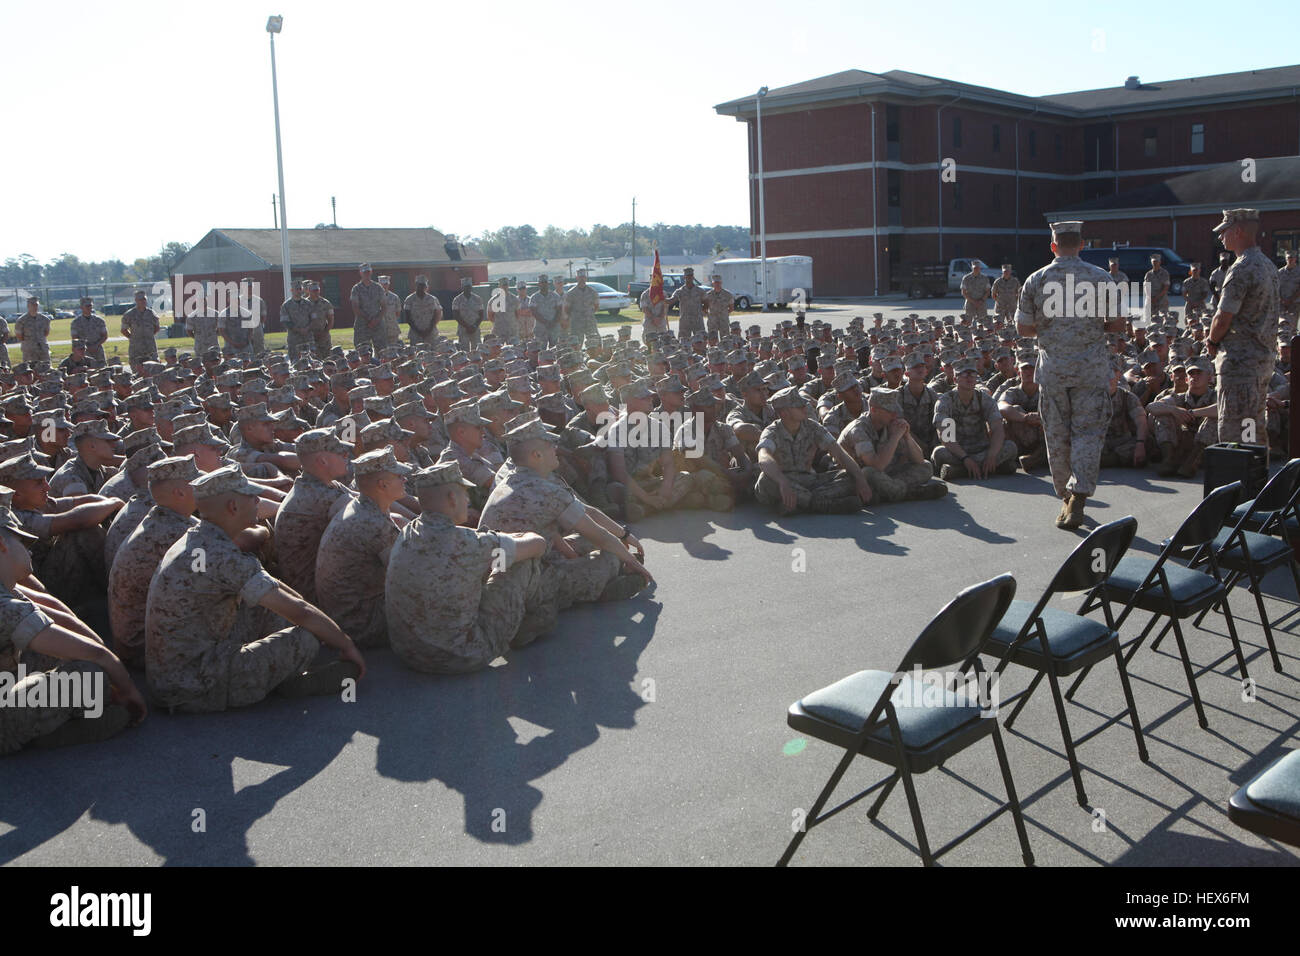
<point x="133" y="123"/>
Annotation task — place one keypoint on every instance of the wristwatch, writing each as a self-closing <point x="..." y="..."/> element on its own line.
<point x="625" y="535"/>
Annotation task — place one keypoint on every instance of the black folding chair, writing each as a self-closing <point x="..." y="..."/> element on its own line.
<point x="878" y="715"/>
<point x="1253" y="554"/>
<point x="1279" y="513"/>
<point x="1169" y="590"/>
<point x="1056" y="643"/>
<point x="1269" y="803"/>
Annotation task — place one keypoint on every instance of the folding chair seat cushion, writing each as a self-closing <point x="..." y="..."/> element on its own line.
<point x="1270" y="803"/>
<point x="1259" y="517"/>
<point x="1264" y="550"/>
<point x="1186" y="586"/>
<point x="837" y="712"/>
<point x="1068" y="635"/>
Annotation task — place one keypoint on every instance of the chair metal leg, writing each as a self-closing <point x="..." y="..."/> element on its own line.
<point x="1066" y="736"/>
<point x="1069" y="694"/>
<point x="811" y="820"/>
<point x="1132" y="707"/>
<point x="1236" y="642"/>
<point x="1191" y="678"/>
<point x="1228" y="584"/>
<point x="1012" y="799"/>
<point x="1256" y="590"/>
<point x="884" y="793"/>
<point x="1155" y="645"/>
<point x="1024" y="699"/>
<point x="1295" y="576"/>
<point x="914" y="805"/>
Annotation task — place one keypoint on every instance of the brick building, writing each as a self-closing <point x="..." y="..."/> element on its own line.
<point x="332" y="257"/>
<point x="868" y="173"/>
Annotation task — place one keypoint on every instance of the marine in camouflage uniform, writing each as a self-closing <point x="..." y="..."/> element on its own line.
<point x="140" y="324"/>
<point x="646" y="464"/>
<point x="975" y="288"/>
<point x="1244" y="355"/>
<point x="321" y="311"/>
<point x="1196" y="293"/>
<point x="1158" y="282"/>
<point x="367" y="300"/>
<point x="973" y="421"/>
<point x="1126" y="428"/>
<point x="547" y="309"/>
<point x="1183" y="445"/>
<point x="91" y="328"/>
<point x="305" y="513"/>
<point x="33" y="332"/>
<point x="1018" y="401"/>
<point x="718" y="303"/>
<point x="1288" y="291"/>
<point x="295" y="319"/>
<point x="1073" y="370"/>
<point x="204" y="329"/>
<point x="689" y="299"/>
<point x="456" y="598"/>
<point x="1006" y="295"/>
<point x="1219" y="274"/>
<point x="133" y="566"/>
<point x="893" y="463"/>
<point x="504" y="306"/>
<point x="654" y="317"/>
<point x="423" y="312"/>
<point x="792" y="452"/>
<point x="581" y="303"/>
<point x="467" y="310"/>
<point x="352" y="561"/>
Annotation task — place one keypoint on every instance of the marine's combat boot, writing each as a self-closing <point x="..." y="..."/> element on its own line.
<point x="1074" y="517"/>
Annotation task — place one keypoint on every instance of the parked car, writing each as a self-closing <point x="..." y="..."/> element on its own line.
<point x="611" y="300"/>
<point x="1135" y="261"/>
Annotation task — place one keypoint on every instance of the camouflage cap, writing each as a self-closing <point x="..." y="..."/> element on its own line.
<point x="634" y="390"/>
<point x="594" y="394"/>
<point x="465" y="413"/>
<point x="176" y="468"/>
<point x="890" y="363"/>
<point x="253" y="413"/>
<point x="1026" y="357"/>
<point x="670" y="383"/>
<point x="435" y="476"/>
<point x="386" y="430"/>
<point x="320" y="440"/>
<point x="965" y="365"/>
<point x="95" y="428"/>
<point x="198" y="435"/>
<point x="1234" y="217"/>
<point x="845" y="381"/>
<point x="142" y="457"/>
<point x="229" y="480"/>
<point x="1202" y="364"/>
<point x="412" y="410"/>
<point x="22" y="467"/>
<point x="703" y="399"/>
<point x="886" y="399"/>
<point x="530" y="431"/>
<point x="379" y="461"/>
<point x="494" y="403"/>
<point x="788" y="398"/>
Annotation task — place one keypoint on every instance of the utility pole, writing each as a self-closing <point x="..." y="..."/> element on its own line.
<point x="275" y="220"/>
<point x="334" y="211"/>
<point x="633" y="238"/>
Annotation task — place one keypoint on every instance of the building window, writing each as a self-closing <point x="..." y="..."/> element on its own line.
<point x="1198" y="137"/>
<point x="997" y="138"/>
<point x="1033" y="142"/>
<point x="956" y="132"/>
<point x="956" y="197"/>
<point x="1033" y="199"/>
<point x="1059" y="145"/>
<point x="329" y="287"/>
<point x="997" y="195"/>
<point x="893" y="147"/>
<point x="1149" y="138"/>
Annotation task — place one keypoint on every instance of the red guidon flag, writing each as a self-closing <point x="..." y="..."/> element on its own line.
<point x="656" y="282"/>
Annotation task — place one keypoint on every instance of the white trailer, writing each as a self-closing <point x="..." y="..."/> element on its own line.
<point x="789" y="280"/>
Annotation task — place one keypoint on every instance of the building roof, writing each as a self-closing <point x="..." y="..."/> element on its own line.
<point x="1276" y="185"/>
<point x="859" y="85"/>
<point x="345" y="248"/>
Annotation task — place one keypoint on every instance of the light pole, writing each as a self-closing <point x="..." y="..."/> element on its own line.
<point x="273" y="26"/>
<point x="762" y="213"/>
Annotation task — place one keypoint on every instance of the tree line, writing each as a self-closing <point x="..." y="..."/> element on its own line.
<point x="67" y="269"/>
<point x="525" y="242"/>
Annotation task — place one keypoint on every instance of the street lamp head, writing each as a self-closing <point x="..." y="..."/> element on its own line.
<point x="762" y="91"/>
<point x="274" y="24"/>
